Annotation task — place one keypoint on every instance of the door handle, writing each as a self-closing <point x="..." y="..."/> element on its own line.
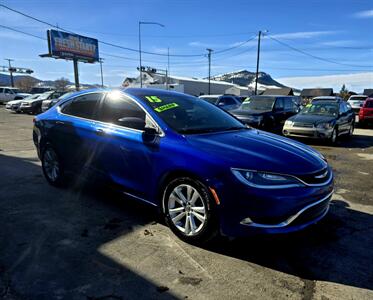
<point x="100" y="132"/>
<point x="60" y="122"/>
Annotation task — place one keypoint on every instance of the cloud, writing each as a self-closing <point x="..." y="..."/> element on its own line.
<point x="364" y="14"/>
<point x="301" y="34"/>
<point x="355" y="82"/>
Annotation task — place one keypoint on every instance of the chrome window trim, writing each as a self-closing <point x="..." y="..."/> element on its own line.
<point x="237" y="173"/>
<point x="111" y="125"/>
<point x="288" y="221"/>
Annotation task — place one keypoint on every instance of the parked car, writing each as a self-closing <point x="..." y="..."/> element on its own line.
<point x="10" y="93"/>
<point x="357" y="101"/>
<point x="366" y="112"/>
<point x="226" y="102"/>
<point x="324" y="118"/>
<point x="267" y="112"/>
<point x="204" y="170"/>
<point x="14" y="105"/>
<point x="48" y="103"/>
<point x="34" y="106"/>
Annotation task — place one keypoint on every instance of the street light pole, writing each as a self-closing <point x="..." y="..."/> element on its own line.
<point x="10" y="71"/>
<point x="101" y="60"/>
<point x="209" y="57"/>
<point x="144" y="23"/>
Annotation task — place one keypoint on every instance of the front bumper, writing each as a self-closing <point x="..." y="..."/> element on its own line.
<point x="26" y="109"/>
<point x="248" y="211"/>
<point x="307" y="132"/>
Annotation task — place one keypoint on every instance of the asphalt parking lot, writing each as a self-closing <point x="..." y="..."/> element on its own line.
<point x="90" y="243"/>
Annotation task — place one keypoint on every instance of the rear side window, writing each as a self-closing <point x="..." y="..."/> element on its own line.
<point x="279" y="103"/>
<point x="227" y="101"/>
<point x="289" y="104"/>
<point x="369" y="104"/>
<point x="123" y="111"/>
<point x="83" y="106"/>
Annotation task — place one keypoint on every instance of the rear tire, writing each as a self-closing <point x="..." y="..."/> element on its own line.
<point x="334" y="136"/>
<point x="190" y="210"/>
<point x="52" y="167"/>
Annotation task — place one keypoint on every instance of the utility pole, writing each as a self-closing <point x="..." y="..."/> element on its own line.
<point x="168" y="65"/>
<point x="209" y="57"/>
<point x="257" y="64"/>
<point x="101" y="60"/>
<point x="10" y="71"/>
<point x="144" y="23"/>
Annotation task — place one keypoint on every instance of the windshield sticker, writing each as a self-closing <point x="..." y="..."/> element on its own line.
<point x="166" y="107"/>
<point x="153" y="99"/>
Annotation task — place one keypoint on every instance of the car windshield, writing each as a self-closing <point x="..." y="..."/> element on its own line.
<point x="44" y="96"/>
<point x="35" y="96"/>
<point x="359" y="98"/>
<point x="187" y="114"/>
<point x="258" y="103"/>
<point x="210" y="99"/>
<point x="64" y="96"/>
<point x="321" y="108"/>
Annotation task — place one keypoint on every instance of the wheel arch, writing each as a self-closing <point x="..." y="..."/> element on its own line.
<point x="170" y="176"/>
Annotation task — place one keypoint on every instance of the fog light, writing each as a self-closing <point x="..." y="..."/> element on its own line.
<point x="246" y="221"/>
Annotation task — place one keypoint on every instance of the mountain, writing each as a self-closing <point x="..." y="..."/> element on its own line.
<point x="246" y="78"/>
<point x="5" y="79"/>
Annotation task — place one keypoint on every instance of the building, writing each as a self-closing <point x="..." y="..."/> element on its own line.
<point x="192" y="86"/>
<point x="308" y="94"/>
<point x="279" y="92"/>
<point x="368" y="92"/>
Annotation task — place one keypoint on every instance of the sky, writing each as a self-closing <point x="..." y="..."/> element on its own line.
<point x="313" y="43"/>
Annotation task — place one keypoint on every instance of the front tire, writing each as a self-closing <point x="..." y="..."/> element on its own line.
<point x="190" y="210"/>
<point x="52" y="167"/>
<point x="334" y="136"/>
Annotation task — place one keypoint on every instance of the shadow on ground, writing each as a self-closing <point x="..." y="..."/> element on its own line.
<point x="50" y="241"/>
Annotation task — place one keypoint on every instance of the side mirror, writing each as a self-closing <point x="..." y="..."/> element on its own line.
<point x="150" y="135"/>
<point x="132" y="122"/>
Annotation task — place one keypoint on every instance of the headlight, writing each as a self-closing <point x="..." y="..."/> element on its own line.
<point x="265" y="180"/>
<point x="289" y="123"/>
<point x="324" y="126"/>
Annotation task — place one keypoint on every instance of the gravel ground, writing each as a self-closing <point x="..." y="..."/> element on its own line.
<point x="90" y="243"/>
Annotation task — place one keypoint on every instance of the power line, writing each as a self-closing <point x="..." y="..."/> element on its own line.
<point x="314" y="56"/>
<point x="26" y="33"/>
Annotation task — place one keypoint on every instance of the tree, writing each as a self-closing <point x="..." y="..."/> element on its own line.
<point x="25" y="83"/>
<point x="61" y="84"/>
<point x="344" y="92"/>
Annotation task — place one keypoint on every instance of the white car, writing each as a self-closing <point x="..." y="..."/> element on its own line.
<point x="357" y="101"/>
<point x="10" y="93"/>
<point x="15" y="104"/>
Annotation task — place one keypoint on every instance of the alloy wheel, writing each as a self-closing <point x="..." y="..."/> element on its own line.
<point x="187" y="210"/>
<point x="51" y="165"/>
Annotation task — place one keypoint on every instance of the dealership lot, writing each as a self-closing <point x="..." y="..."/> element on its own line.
<point x="90" y="243"/>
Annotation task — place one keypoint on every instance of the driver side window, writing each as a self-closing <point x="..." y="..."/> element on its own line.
<point x="123" y="111"/>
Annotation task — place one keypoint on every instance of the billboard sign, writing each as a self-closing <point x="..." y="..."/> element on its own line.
<point x="72" y="46"/>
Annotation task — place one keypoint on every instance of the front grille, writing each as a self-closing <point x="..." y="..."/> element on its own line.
<point x="318" y="177"/>
<point x="312" y="213"/>
<point x="303" y="125"/>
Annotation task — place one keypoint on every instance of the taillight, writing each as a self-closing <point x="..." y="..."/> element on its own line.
<point x="33" y="119"/>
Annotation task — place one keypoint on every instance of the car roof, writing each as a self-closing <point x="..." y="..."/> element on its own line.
<point x="327" y="98"/>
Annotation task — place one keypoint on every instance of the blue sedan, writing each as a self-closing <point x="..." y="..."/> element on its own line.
<point x="207" y="172"/>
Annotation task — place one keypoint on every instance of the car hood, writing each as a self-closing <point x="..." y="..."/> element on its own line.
<point x="258" y="150"/>
<point x="245" y="112"/>
<point x="15" y="102"/>
<point x="33" y="100"/>
<point x="311" y="119"/>
<point x="23" y="94"/>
